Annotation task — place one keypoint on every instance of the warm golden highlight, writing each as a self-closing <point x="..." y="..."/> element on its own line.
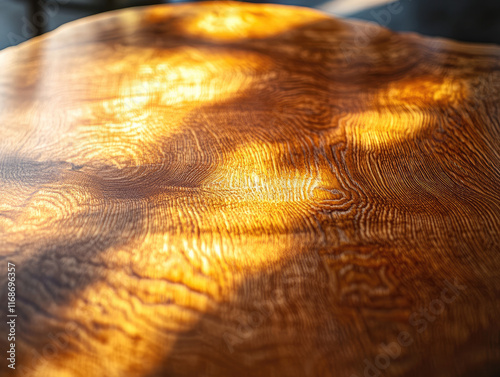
<point x="228" y="189"/>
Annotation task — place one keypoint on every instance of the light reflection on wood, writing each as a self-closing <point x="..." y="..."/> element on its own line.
<point x="234" y="189"/>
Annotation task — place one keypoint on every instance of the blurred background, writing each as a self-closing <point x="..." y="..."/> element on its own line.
<point x="465" y="20"/>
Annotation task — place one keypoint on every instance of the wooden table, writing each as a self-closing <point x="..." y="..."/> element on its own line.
<point x="227" y="189"/>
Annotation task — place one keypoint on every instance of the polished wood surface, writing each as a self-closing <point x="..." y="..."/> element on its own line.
<point x="227" y="189"/>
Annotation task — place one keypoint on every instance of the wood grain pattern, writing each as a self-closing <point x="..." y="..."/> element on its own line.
<point x="227" y="189"/>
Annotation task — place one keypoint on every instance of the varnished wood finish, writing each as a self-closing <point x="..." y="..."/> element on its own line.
<point x="227" y="189"/>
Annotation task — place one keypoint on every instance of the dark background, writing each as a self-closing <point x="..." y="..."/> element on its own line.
<point x="465" y="20"/>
